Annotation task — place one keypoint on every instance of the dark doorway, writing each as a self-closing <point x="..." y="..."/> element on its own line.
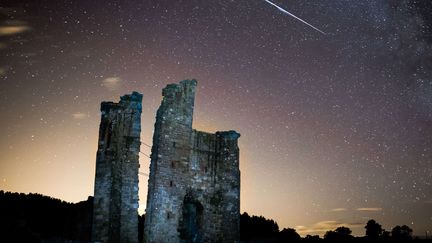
<point x="191" y="224"/>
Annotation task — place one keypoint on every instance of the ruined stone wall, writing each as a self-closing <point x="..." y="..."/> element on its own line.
<point x="194" y="182"/>
<point x="115" y="214"/>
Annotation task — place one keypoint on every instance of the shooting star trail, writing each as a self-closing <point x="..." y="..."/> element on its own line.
<point x="292" y="15"/>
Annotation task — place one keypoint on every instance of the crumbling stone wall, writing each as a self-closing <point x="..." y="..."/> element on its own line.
<point x="194" y="182"/>
<point x="115" y="214"/>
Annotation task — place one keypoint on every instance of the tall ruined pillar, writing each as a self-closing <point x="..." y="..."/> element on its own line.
<point x="194" y="182"/>
<point x="228" y="181"/>
<point x="169" y="157"/>
<point x="115" y="213"/>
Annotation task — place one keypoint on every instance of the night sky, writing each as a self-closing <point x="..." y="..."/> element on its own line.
<point x="336" y="128"/>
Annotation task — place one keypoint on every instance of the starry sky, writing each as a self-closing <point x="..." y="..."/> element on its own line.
<point x="336" y="128"/>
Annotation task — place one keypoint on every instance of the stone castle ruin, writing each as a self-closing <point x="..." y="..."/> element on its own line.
<point x="194" y="182"/>
<point x="115" y="215"/>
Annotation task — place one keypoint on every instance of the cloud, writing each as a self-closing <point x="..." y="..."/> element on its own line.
<point x="339" y="210"/>
<point x="324" y="226"/>
<point x="79" y="115"/>
<point x="13" y="30"/>
<point x="369" y="209"/>
<point x="3" y="71"/>
<point x="111" y="83"/>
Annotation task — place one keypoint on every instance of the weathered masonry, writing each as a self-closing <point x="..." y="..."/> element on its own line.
<point x="194" y="182"/>
<point x="115" y="216"/>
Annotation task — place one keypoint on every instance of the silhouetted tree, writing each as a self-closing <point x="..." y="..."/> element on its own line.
<point x="289" y="235"/>
<point x="385" y="236"/>
<point x="312" y="238"/>
<point x="330" y="235"/>
<point x="373" y="229"/>
<point x="34" y="218"/>
<point x="257" y="227"/>
<point x="341" y="234"/>
<point x="343" y="230"/>
<point x="402" y="233"/>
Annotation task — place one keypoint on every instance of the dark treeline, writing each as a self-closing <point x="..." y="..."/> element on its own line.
<point x="254" y="229"/>
<point x="38" y="218"/>
<point x="34" y="217"/>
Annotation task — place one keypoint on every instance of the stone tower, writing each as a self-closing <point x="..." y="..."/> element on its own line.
<point x="194" y="182"/>
<point x="115" y="216"/>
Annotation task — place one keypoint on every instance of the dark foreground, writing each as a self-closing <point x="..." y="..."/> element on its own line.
<point x="38" y="218"/>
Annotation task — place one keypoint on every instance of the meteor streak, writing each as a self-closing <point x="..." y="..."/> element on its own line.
<point x="292" y="15"/>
